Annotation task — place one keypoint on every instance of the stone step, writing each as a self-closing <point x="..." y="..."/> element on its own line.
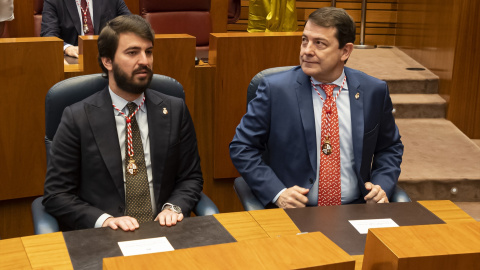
<point x="409" y="86"/>
<point x="418" y="106"/>
<point x="439" y="161"/>
<point x="402" y="74"/>
<point x="477" y="142"/>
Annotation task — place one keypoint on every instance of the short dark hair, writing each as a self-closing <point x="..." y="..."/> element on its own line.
<point x="338" y="18"/>
<point x="108" y="38"/>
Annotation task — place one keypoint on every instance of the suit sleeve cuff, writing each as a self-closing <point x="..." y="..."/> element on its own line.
<point x="278" y="195"/>
<point x="101" y="220"/>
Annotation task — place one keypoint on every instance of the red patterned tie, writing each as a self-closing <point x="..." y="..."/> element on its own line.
<point x="329" y="188"/>
<point x="86" y="16"/>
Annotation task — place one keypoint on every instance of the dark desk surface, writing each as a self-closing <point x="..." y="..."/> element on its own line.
<point x="87" y="248"/>
<point x="333" y="221"/>
<point x="70" y="60"/>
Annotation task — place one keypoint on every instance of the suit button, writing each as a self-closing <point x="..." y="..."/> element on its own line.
<point x="310" y="180"/>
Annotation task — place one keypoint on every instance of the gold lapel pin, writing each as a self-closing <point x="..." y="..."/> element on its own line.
<point x="165" y="111"/>
<point x="357" y="95"/>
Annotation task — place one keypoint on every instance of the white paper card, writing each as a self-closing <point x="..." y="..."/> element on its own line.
<point x="362" y="225"/>
<point x="145" y="246"/>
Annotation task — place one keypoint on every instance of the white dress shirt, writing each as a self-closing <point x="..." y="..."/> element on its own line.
<point x="121" y="124"/>
<point x="80" y="13"/>
<point x="350" y="189"/>
<point x="349" y="186"/>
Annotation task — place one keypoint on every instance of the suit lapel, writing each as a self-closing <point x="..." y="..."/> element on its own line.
<point x="305" y="104"/>
<point x="159" y="129"/>
<point x="73" y="11"/>
<point x="356" y="112"/>
<point x="97" y="12"/>
<point x="102" y="121"/>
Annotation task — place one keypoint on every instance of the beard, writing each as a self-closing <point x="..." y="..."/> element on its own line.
<point x="128" y="83"/>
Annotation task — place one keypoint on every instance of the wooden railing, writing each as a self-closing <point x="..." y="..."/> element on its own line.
<point x="381" y="18"/>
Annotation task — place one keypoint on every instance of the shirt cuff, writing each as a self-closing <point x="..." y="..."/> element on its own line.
<point x="278" y="195"/>
<point x="101" y="220"/>
<point x="65" y="46"/>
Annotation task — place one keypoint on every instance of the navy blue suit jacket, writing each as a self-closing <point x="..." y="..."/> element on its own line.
<point x="275" y="143"/>
<point x="60" y="18"/>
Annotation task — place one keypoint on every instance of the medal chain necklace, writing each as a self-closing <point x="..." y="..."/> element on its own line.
<point x="326" y="140"/>
<point x="131" y="162"/>
<point x="84" y="11"/>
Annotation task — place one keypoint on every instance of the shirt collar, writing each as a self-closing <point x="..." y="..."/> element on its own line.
<point x="122" y="103"/>
<point x="338" y="81"/>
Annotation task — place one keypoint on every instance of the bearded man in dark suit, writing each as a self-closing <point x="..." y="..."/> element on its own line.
<point x="89" y="179"/>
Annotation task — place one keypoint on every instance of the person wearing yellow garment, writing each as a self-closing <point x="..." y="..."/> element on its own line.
<point x="272" y="16"/>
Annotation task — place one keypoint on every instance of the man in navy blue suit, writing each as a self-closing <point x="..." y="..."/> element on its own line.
<point x="65" y="19"/>
<point x="278" y="144"/>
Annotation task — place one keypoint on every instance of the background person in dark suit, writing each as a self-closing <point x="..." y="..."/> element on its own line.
<point x="87" y="178"/>
<point x="65" y="19"/>
<point x="278" y="144"/>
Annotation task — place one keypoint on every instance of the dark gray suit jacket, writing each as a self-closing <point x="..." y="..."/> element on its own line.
<point x="60" y="18"/>
<point x="85" y="173"/>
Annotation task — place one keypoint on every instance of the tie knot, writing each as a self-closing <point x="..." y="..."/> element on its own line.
<point x="328" y="88"/>
<point x="131" y="107"/>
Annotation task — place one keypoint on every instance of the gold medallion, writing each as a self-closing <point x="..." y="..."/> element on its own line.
<point x="85" y="28"/>
<point x="132" y="167"/>
<point x="165" y="111"/>
<point x="326" y="147"/>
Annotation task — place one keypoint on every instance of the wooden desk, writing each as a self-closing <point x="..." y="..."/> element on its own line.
<point x="30" y="66"/>
<point x="49" y="250"/>
<point x="13" y="255"/>
<point x="447" y="211"/>
<point x="427" y="247"/>
<point x="308" y="251"/>
<point x="241" y="225"/>
<point x="277" y="222"/>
